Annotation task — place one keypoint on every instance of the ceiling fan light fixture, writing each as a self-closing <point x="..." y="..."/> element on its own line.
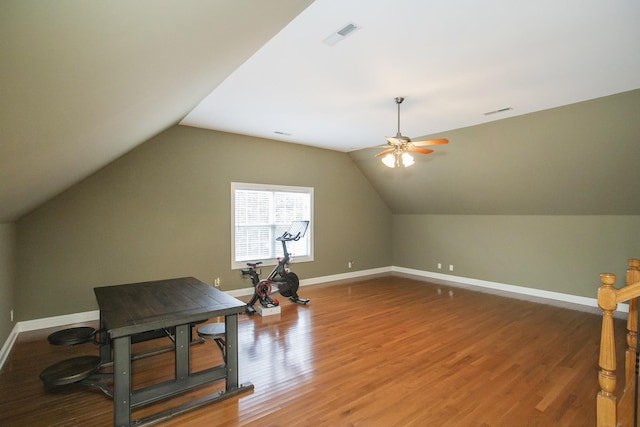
<point x="398" y="159"/>
<point x="407" y="159"/>
<point x="389" y="160"/>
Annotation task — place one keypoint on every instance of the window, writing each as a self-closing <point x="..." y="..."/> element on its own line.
<point x="260" y="213"/>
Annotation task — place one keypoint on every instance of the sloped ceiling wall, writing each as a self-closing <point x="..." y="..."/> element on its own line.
<point x="83" y="82"/>
<point x="580" y="159"/>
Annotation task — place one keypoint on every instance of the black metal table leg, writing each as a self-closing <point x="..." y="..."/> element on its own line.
<point x="105" y="343"/>
<point x="182" y="351"/>
<point x="122" y="381"/>
<point x="231" y="328"/>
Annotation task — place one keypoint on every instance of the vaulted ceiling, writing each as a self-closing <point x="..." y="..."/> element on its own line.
<point x="84" y="82"/>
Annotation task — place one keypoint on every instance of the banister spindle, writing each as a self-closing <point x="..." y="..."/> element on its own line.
<point x="606" y="400"/>
<point x="633" y="271"/>
<point x="633" y="276"/>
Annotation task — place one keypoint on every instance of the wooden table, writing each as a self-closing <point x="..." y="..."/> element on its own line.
<point x="136" y="308"/>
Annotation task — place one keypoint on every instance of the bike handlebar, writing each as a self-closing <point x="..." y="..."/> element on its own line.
<point x="287" y="237"/>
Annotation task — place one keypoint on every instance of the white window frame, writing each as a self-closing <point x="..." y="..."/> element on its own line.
<point x="271" y="188"/>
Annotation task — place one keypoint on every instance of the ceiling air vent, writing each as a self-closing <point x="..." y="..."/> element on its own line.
<point x="340" y="35"/>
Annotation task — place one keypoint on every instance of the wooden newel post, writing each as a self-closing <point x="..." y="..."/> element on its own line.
<point x="606" y="400"/>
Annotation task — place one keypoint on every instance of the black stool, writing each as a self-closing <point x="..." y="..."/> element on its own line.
<point x="81" y="369"/>
<point x="70" y="371"/>
<point x="72" y="336"/>
<point x="215" y="332"/>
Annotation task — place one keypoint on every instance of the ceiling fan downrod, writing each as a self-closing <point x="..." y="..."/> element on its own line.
<point x="398" y="102"/>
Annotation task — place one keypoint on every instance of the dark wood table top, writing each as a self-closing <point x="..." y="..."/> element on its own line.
<point x="140" y="307"/>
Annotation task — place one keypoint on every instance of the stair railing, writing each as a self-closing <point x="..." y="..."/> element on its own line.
<point x="608" y="407"/>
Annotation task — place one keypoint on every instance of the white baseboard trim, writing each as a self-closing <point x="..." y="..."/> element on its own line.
<point x="55" y="321"/>
<point x="445" y="279"/>
<point x="510" y="289"/>
<point x="346" y="276"/>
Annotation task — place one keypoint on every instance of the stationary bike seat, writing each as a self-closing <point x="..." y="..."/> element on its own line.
<point x="254" y="264"/>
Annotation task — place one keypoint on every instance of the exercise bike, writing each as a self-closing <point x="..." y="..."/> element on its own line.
<point x="287" y="282"/>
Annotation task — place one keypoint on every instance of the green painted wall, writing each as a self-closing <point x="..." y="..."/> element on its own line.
<point x="556" y="253"/>
<point x="163" y="210"/>
<point x="7" y="273"/>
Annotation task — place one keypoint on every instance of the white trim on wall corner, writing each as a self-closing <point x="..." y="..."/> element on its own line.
<point x="6" y="348"/>
<point x="47" y="322"/>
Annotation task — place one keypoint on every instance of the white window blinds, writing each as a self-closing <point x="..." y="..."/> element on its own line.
<point x="260" y="214"/>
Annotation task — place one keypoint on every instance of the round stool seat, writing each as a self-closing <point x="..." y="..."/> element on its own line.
<point x="215" y="332"/>
<point x="71" y="370"/>
<point x="212" y="330"/>
<point x="72" y="336"/>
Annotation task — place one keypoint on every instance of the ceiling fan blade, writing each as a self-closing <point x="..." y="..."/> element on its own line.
<point x="385" y="152"/>
<point x="430" y="141"/>
<point x="420" y="150"/>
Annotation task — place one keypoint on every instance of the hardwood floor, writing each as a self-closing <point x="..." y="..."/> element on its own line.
<point x="388" y="351"/>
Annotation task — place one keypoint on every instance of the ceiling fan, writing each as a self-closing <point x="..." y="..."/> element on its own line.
<point x="399" y="146"/>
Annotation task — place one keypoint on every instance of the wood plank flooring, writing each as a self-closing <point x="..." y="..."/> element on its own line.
<point x="387" y="351"/>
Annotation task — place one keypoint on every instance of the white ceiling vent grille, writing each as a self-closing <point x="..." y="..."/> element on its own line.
<point x="340" y="35"/>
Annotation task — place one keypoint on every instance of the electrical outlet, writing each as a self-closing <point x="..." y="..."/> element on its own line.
<point x="450" y="267"/>
<point x="216" y="283"/>
<point x="11" y="313"/>
<point x="439" y="266"/>
<point x="350" y="264"/>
